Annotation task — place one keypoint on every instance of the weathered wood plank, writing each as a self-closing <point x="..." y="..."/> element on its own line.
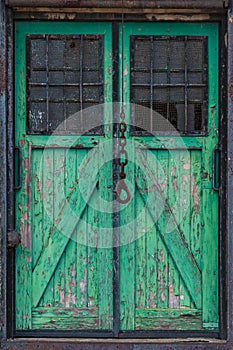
<point x="54" y="293"/>
<point x="66" y="222"/>
<point x="162" y="256"/>
<point x="37" y="204"/>
<point x="210" y="263"/>
<point x="92" y="249"/>
<point x="65" y="318"/>
<point x="24" y="250"/>
<point x="81" y="237"/>
<point x="140" y="254"/>
<point x="105" y="243"/>
<point x="172" y="319"/>
<point x="127" y="257"/>
<point x="174" y="240"/>
<point x="184" y="170"/>
<point x="70" y="271"/>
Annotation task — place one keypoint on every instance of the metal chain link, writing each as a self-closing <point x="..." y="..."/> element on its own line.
<point x="122" y="161"/>
<point x="122" y="154"/>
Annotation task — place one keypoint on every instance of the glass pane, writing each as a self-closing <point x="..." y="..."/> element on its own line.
<point x="70" y="68"/>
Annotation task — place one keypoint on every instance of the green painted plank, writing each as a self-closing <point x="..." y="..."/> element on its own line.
<point x="162" y="257"/>
<point x="152" y="271"/>
<point x="140" y="253"/>
<point x="92" y="249"/>
<point x="210" y="261"/>
<point x="172" y="319"/>
<point x="54" y="292"/>
<point x="64" y="318"/>
<point x="81" y="237"/>
<point x="127" y="259"/>
<point x="47" y="162"/>
<point x="196" y="204"/>
<point x="105" y="248"/>
<point x="174" y="240"/>
<point x="24" y="250"/>
<point x="66" y="221"/>
<point x="70" y="174"/>
<point x="185" y="170"/>
<point x="37" y="204"/>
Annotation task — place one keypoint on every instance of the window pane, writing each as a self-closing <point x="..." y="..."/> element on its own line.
<point x="169" y="76"/>
<point x="65" y="72"/>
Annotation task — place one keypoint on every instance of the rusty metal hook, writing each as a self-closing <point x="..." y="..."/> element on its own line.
<point x="122" y="187"/>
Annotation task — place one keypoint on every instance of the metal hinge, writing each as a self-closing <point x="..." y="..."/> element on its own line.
<point x="13" y="239"/>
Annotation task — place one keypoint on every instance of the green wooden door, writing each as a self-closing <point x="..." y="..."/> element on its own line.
<point x="63" y="276"/>
<point x="169" y="273"/>
<point x="73" y="231"/>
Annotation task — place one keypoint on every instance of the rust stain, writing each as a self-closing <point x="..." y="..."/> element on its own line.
<point x="25" y="227"/>
<point x="194" y="191"/>
<point x="174" y="179"/>
<point x="173" y="299"/>
<point x="61" y="295"/>
<point x="152" y="303"/>
<point x="187" y="166"/>
<point x="161" y="256"/>
<point x="83" y="283"/>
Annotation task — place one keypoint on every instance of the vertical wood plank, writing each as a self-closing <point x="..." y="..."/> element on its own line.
<point x="24" y="250"/>
<point x="71" y="249"/>
<point x="81" y="247"/>
<point x="185" y="168"/>
<point x="37" y="204"/>
<point x="59" y="283"/>
<point x="210" y="262"/>
<point x="127" y="259"/>
<point x="140" y="254"/>
<point x="152" y="271"/>
<point x="105" y="248"/>
<point x="48" y="214"/>
<point x="162" y="254"/>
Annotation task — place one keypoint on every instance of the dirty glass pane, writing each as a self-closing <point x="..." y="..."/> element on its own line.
<point x="169" y="77"/>
<point x="64" y="76"/>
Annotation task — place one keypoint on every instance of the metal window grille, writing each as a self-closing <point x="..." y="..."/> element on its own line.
<point x="64" y="76"/>
<point x="169" y="77"/>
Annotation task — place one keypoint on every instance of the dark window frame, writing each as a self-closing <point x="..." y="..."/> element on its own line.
<point x="186" y="85"/>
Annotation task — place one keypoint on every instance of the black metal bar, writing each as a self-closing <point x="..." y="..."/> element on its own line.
<point x="10" y="268"/>
<point x="116" y="178"/>
<point x="151" y="81"/>
<point x="47" y="82"/>
<point x="19" y="170"/>
<point x="81" y="81"/>
<point x="3" y="172"/>
<point x="185" y="86"/>
<point x="223" y="288"/>
<point x="168" y="76"/>
<point x="162" y="334"/>
<point x="182" y="4"/>
<point x="169" y="85"/>
<point x="65" y="84"/>
<point x="40" y="333"/>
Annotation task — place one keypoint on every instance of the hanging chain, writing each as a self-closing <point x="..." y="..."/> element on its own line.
<point x="122" y="154"/>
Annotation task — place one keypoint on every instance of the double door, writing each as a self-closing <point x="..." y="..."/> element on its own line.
<point x="101" y="254"/>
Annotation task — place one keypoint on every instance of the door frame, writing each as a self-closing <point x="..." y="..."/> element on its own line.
<point x="226" y="200"/>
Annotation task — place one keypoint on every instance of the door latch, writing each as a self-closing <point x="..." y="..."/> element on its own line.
<point x="13" y="239"/>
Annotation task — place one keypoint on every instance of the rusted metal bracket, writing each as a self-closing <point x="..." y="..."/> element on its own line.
<point x="13" y="239"/>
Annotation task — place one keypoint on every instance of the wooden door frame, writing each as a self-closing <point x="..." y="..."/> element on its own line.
<point x="7" y="196"/>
